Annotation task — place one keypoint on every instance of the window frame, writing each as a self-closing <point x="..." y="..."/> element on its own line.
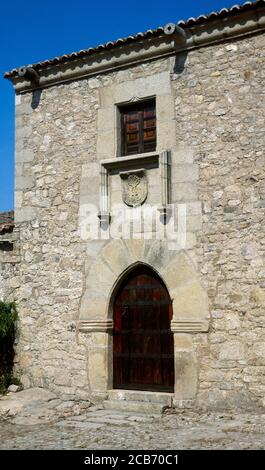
<point x="139" y="107"/>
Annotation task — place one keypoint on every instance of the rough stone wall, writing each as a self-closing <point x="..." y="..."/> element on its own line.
<point x="56" y="135"/>
<point x="9" y="259"/>
<point x="220" y="102"/>
<point x="219" y="115"/>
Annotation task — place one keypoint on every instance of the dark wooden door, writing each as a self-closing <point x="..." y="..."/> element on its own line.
<point x="143" y="353"/>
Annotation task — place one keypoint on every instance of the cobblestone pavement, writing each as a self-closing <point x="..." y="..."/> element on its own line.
<point x="104" y="429"/>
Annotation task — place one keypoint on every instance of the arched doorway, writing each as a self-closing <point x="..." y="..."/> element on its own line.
<point x="143" y="352"/>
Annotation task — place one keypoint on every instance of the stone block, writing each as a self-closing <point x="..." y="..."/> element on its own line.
<point x="165" y="109"/>
<point x="100" y="273"/>
<point x="24" y="182"/>
<point x="194" y="208"/>
<point x="116" y="256"/>
<point x="259" y="349"/>
<point x="89" y="185"/>
<point x="17" y="100"/>
<point x="182" y="156"/>
<point x="25" y="214"/>
<point x="23" y="109"/>
<point x="18" y="199"/>
<point x="156" y="253"/>
<point x="135" y="248"/>
<point x="106" y="144"/>
<point x="232" y="351"/>
<point x="194" y="223"/>
<point x="13" y="282"/>
<point x="189" y="301"/>
<point x="134" y="406"/>
<point x="184" y="173"/>
<point x="186" y="375"/>
<point x="90" y="169"/>
<point x="93" y="248"/>
<point x="116" y="197"/>
<point x="97" y="370"/>
<point x="106" y="119"/>
<point x="166" y="135"/>
<point x="183" y="341"/>
<point x="179" y="272"/>
<point x="258" y="296"/>
<point x="184" y="192"/>
<point x="23" y="132"/>
<point x="93" y="305"/>
<point x="18" y="169"/>
<point x="24" y="156"/>
<point x="87" y="201"/>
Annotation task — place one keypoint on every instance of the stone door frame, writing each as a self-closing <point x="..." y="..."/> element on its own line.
<point x="189" y="302"/>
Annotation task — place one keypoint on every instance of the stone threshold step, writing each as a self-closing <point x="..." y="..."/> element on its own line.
<point x="161" y="398"/>
<point x="135" y="406"/>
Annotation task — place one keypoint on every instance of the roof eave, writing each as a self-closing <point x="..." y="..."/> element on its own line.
<point x="144" y="47"/>
<point x="100" y="62"/>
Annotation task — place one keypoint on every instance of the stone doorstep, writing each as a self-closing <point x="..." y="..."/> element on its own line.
<point x="141" y="395"/>
<point x="135" y="406"/>
<point x="138" y="401"/>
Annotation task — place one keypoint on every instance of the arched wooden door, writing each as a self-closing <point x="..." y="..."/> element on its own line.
<point x="143" y="352"/>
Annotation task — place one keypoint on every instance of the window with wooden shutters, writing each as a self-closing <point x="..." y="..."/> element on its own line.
<point x="138" y="128"/>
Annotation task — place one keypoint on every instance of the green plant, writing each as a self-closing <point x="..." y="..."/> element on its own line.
<point x="8" y="318"/>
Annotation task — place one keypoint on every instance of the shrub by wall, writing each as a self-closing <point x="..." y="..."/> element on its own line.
<point x="8" y="318"/>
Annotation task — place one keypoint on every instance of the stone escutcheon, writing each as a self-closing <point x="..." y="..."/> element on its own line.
<point x="134" y="187"/>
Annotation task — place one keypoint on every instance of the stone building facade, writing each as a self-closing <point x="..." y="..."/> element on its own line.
<point x="206" y="175"/>
<point x="9" y="255"/>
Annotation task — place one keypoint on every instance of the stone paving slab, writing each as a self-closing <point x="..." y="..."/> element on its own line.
<point x="171" y="431"/>
<point x="36" y="406"/>
<point x="80" y="425"/>
<point x="34" y="419"/>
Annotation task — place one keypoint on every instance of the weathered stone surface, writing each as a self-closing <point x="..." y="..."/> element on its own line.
<point x="25" y="214"/>
<point x="180" y="270"/>
<point x="213" y="107"/>
<point x="234" y="350"/>
<point x="190" y="301"/>
<point x="13" y="388"/>
<point x="24" y="182"/>
<point x="24" y="156"/>
<point x="36" y="406"/>
<point x="11" y="405"/>
<point x="109" y="429"/>
<point x="184" y="173"/>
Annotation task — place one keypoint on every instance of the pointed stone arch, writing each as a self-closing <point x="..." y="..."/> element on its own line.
<point x="189" y="301"/>
<point x="177" y="270"/>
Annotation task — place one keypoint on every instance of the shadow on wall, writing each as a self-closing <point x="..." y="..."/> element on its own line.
<point x="36" y="96"/>
<point x="180" y="62"/>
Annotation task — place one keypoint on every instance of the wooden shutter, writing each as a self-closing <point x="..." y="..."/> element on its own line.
<point x="138" y="128"/>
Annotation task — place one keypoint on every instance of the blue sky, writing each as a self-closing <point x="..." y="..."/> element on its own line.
<point x="31" y="31"/>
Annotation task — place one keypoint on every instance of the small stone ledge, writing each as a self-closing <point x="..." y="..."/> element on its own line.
<point x="132" y="161"/>
<point x="188" y="326"/>
<point x="95" y="326"/>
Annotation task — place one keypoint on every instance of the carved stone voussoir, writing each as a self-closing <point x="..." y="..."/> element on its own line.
<point x="134" y="187"/>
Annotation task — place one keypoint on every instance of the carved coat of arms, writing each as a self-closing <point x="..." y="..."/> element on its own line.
<point x="134" y="187"/>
